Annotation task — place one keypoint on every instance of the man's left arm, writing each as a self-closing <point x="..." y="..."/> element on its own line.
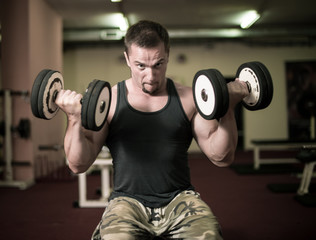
<point x="218" y="138"/>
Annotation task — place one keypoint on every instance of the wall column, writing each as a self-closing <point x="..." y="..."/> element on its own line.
<point x="31" y="41"/>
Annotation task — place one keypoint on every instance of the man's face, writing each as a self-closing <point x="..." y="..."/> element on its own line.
<point x="148" y="67"/>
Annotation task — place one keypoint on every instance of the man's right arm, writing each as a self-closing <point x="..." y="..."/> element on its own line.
<point x="81" y="146"/>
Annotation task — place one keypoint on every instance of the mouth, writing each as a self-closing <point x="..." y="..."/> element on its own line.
<point x="149" y="87"/>
<point x="150" y="83"/>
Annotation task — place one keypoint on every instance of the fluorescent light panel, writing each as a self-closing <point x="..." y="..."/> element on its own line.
<point x="250" y="18"/>
<point x="122" y="22"/>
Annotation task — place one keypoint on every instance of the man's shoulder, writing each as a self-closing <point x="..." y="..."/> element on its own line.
<point x="186" y="97"/>
<point x="182" y="89"/>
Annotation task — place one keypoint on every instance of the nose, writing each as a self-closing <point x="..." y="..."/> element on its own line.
<point x="151" y="74"/>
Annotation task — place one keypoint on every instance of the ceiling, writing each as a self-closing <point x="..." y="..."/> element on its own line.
<point x="281" y="21"/>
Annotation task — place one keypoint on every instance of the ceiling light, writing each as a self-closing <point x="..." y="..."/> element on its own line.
<point x="206" y="33"/>
<point x="250" y="18"/>
<point x="116" y="0"/>
<point x="123" y="23"/>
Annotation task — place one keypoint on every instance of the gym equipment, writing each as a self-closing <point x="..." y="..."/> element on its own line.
<point x="103" y="163"/>
<point x="95" y="102"/>
<point x="307" y="155"/>
<point x="23" y="129"/>
<point x="7" y="130"/>
<point x="211" y="94"/>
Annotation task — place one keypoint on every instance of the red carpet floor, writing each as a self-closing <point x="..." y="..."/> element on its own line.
<point x="245" y="207"/>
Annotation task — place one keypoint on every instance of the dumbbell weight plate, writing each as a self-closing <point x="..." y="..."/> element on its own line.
<point x="210" y="94"/>
<point x="35" y="91"/>
<point x="268" y="85"/>
<point x="95" y="105"/>
<point x="103" y="104"/>
<point x="46" y="84"/>
<point x="260" y="82"/>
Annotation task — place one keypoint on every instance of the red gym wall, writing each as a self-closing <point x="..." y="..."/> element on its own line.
<point x="31" y="41"/>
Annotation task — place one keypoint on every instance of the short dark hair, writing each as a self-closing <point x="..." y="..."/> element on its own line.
<point x="146" y="34"/>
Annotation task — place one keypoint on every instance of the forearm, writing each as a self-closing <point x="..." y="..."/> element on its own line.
<point x="223" y="142"/>
<point x="78" y="148"/>
<point x="217" y="139"/>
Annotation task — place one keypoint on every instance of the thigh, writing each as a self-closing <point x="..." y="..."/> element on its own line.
<point x="191" y="218"/>
<point x="124" y="218"/>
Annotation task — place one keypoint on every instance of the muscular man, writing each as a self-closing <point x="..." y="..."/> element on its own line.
<point x="150" y="126"/>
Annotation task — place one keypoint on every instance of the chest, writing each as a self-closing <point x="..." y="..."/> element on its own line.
<point x="147" y="104"/>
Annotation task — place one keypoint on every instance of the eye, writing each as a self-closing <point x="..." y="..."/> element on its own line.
<point x="157" y="65"/>
<point x="141" y="66"/>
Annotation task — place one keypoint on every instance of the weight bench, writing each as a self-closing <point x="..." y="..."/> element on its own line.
<point x="260" y="145"/>
<point x="307" y="156"/>
<point x="103" y="162"/>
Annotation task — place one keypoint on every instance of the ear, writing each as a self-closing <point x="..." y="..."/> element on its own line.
<point x="127" y="59"/>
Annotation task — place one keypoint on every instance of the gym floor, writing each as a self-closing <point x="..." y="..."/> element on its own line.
<point x="245" y="207"/>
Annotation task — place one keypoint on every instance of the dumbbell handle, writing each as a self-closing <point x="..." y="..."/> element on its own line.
<point x="247" y="82"/>
<point x="102" y="106"/>
<point x="248" y="86"/>
<point x="204" y="94"/>
<point x="55" y="94"/>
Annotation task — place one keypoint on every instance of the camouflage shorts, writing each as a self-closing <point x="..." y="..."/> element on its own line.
<point x="185" y="217"/>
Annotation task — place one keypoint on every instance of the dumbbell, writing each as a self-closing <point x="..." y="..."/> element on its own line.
<point x="95" y="102"/>
<point x="23" y="128"/>
<point x="210" y="90"/>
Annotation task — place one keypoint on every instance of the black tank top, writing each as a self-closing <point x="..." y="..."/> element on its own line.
<point x="149" y="150"/>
